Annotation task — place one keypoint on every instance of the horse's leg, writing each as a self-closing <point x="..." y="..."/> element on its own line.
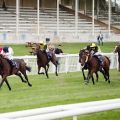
<point x="107" y="75"/>
<point x="92" y="78"/>
<point x="97" y="77"/>
<point x="25" y="75"/>
<point x="83" y="74"/>
<point x="39" y="69"/>
<point x="8" y="84"/>
<point x="46" y="72"/>
<point x="56" y="66"/>
<point x="90" y="75"/>
<point x="5" y="79"/>
<point x="48" y="67"/>
<point x="20" y="75"/>
<point x="103" y="72"/>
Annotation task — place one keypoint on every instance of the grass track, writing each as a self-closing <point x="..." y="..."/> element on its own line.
<point x="64" y="89"/>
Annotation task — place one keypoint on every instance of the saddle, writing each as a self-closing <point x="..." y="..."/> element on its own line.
<point x="14" y="65"/>
<point x="49" y="55"/>
<point x="99" y="59"/>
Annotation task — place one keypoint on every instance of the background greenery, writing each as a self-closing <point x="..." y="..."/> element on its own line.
<point x="65" y="89"/>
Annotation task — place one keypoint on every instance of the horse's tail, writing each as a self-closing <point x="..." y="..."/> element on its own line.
<point x="28" y="68"/>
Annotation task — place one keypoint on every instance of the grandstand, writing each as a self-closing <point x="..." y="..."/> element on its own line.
<point x="19" y="24"/>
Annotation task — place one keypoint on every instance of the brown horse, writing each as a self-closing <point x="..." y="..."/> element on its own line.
<point x="85" y="66"/>
<point x="6" y="70"/>
<point x="117" y="50"/>
<point x="94" y="66"/>
<point x="43" y="61"/>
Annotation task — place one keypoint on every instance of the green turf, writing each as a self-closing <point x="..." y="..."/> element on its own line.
<point x="64" y="89"/>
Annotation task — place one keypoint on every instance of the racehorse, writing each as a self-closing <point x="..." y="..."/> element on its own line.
<point x="93" y="65"/>
<point x="6" y="70"/>
<point x="117" y="50"/>
<point x="84" y="66"/>
<point x="43" y="61"/>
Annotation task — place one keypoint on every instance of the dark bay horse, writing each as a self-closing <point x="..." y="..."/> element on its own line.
<point x="117" y="50"/>
<point x="43" y="61"/>
<point x="93" y="65"/>
<point x="6" y="70"/>
<point x="85" y="66"/>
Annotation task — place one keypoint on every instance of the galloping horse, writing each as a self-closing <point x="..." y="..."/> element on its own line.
<point x="43" y="61"/>
<point x="117" y="50"/>
<point x="84" y="66"/>
<point x="6" y="70"/>
<point x="93" y="65"/>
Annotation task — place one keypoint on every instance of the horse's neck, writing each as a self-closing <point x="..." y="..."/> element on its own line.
<point x="92" y="59"/>
<point x="41" y="56"/>
<point x="3" y="62"/>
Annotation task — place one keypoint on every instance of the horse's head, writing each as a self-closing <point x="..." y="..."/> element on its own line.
<point x="117" y="48"/>
<point x="83" y="56"/>
<point x="36" y="50"/>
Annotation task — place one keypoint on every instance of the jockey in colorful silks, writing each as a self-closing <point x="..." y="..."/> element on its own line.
<point x="8" y="52"/>
<point x="95" y="51"/>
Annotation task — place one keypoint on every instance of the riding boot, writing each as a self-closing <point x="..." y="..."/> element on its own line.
<point x="101" y="66"/>
<point x="14" y="64"/>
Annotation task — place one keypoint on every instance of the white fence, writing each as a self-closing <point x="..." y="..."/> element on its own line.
<point x="68" y="63"/>
<point x="62" y="111"/>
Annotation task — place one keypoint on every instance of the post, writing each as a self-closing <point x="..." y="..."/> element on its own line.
<point x="109" y="17"/>
<point x="93" y="29"/>
<point x="76" y="17"/>
<point x="97" y="9"/>
<point x="85" y="8"/>
<point x="38" y="19"/>
<point x="58" y="18"/>
<point x="17" y="20"/>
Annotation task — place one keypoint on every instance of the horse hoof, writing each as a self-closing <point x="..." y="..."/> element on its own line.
<point x="86" y="83"/>
<point x="10" y="89"/>
<point x="24" y="81"/>
<point x="30" y="85"/>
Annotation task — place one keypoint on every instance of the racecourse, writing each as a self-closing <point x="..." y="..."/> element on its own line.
<point x="65" y="89"/>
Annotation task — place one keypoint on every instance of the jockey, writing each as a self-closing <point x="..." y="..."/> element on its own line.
<point x="43" y="45"/>
<point x="94" y="48"/>
<point x="47" y="48"/>
<point x="50" y="50"/>
<point x="7" y="52"/>
<point x="58" y="50"/>
<point x="96" y="51"/>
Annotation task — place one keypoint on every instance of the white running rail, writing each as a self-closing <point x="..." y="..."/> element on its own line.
<point x="62" y="111"/>
<point x="68" y="63"/>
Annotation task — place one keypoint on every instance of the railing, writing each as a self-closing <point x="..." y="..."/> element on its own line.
<point x="62" y="111"/>
<point x="67" y="63"/>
